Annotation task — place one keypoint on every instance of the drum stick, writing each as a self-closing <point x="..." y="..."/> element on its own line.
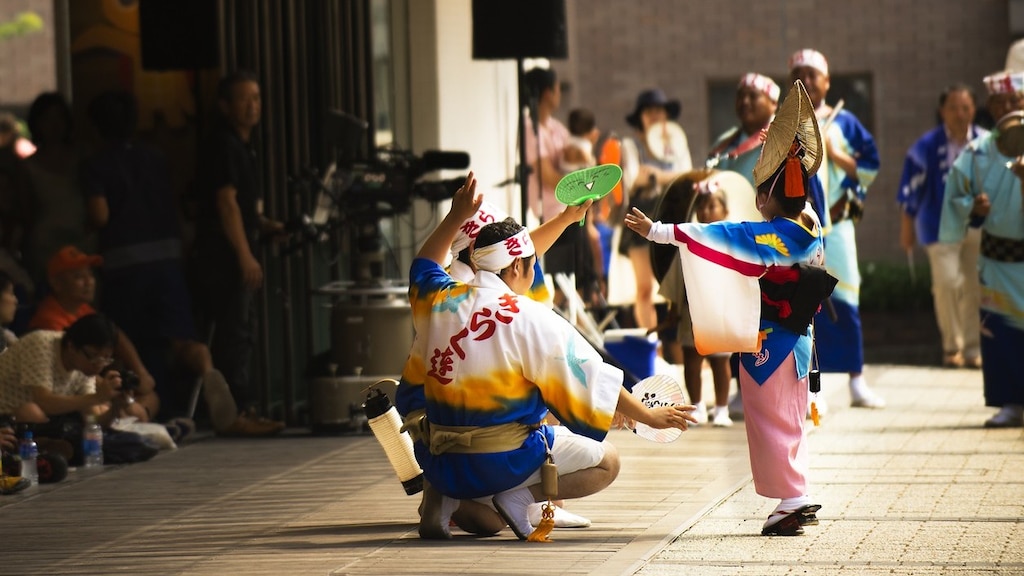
<point x="832" y="115"/>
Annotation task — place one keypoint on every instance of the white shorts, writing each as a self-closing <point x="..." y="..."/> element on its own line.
<point x="571" y="453"/>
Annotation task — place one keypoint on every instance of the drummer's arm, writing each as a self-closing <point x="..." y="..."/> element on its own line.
<point x="544" y="236"/>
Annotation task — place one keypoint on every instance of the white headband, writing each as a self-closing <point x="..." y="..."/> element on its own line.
<point x="762" y="83"/>
<point x="811" y="58"/>
<point x="1005" y="83"/>
<point x="471" y="227"/>
<point x="498" y="256"/>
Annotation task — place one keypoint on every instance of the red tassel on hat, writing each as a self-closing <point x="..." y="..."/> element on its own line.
<point x="794" y="178"/>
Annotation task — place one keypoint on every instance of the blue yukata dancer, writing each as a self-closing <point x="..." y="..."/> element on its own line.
<point x="953" y="265"/>
<point x="848" y="168"/>
<point x="985" y="185"/>
<point x="486" y="366"/>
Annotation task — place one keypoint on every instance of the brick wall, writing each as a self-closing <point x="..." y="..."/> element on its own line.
<point x="28" y="64"/>
<point x="912" y="48"/>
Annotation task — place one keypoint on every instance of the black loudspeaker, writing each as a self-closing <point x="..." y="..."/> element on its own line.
<point x="178" y="34"/>
<point x="505" y="29"/>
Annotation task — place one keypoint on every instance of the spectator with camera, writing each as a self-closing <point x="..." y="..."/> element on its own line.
<point x="48" y="373"/>
<point x="73" y="289"/>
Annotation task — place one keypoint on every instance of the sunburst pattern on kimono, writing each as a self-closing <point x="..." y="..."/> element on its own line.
<point x="774" y="241"/>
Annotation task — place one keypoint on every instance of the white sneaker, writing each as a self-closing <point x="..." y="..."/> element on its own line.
<point x="513" y="506"/>
<point x="864" y="397"/>
<point x="563" y="518"/>
<point x="1009" y="416"/>
<point x="722" y="419"/>
<point x="736" y="407"/>
<point x="701" y="414"/>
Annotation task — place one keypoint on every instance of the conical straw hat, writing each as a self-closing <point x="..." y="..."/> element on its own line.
<point x="794" y="119"/>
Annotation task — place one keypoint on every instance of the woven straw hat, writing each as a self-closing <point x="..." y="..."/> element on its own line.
<point x="794" y="120"/>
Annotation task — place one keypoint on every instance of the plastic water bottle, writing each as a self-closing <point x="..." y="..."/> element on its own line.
<point x="29" y="456"/>
<point x="92" y="443"/>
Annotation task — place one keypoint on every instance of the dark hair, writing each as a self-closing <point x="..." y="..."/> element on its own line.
<point x="40" y="106"/>
<point x="94" y="330"/>
<point x="952" y="89"/>
<point x="790" y="206"/>
<point x="581" y="121"/>
<point x="226" y="86"/>
<point x="114" y="113"/>
<point x="956" y="87"/>
<point x="497" y="231"/>
<point x="702" y="199"/>
<point x="5" y="281"/>
<point x="538" y="80"/>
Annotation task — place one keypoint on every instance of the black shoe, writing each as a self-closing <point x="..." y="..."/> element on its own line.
<point x="789" y="525"/>
<point x="807" y="514"/>
<point x="52" y="468"/>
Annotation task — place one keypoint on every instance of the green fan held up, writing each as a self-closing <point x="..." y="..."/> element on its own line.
<point x="592" y="183"/>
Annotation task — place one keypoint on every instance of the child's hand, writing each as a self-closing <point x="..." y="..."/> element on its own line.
<point x="638" y="222"/>
<point x="466" y="202"/>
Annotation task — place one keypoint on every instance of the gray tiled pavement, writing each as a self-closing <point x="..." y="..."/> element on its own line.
<point x="918" y="488"/>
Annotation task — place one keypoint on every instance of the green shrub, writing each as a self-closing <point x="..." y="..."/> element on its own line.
<point x="887" y="287"/>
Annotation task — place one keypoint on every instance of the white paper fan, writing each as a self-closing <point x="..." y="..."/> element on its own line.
<point x="654" y="391"/>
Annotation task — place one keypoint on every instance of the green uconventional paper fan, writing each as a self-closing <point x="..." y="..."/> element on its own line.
<point x="595" y="182"/>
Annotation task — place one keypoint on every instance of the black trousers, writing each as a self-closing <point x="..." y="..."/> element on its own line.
<point x="227" y="308"/>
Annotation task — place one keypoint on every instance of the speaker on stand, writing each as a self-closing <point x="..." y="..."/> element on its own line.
<point x="516" y="31"/>
<point x="178" y="35"/>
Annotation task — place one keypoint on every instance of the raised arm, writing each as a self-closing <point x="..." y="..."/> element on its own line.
<point x="544" y="236"/>
<point x="465" y="203"/>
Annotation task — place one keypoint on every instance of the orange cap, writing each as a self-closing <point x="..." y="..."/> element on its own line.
<point x="71" y="258"/>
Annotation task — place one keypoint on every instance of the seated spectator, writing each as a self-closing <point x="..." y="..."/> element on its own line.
<point x="73" y="291"/>
<point x="8" y="309"/>
<point x="49" y="373"/>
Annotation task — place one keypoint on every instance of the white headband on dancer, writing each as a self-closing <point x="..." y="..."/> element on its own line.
<point x="498" y="256"/>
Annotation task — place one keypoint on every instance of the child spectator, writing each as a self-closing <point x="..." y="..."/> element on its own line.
<point x="579" y="148"/>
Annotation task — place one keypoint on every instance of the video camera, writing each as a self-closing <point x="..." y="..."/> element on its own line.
<point x="387" y="185"/>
